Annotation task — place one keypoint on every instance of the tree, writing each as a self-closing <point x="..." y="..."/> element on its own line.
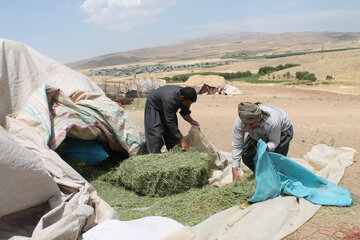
<point x="305" y="76"/>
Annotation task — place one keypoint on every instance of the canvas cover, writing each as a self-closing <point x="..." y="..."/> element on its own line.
<point x="64" y="215"/>
<point x="23" y="69"/>
<point x="85" y="115"/>
<point x="21" y="169"/>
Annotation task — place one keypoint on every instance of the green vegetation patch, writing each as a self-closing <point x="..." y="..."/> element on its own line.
<point x="306" y="76"/>
<point x="226" y="75"/>
<point x="236" y="76"/>
<point x="189" y="208"/>
<point x="255" y="79"/>
<point x="267" y="70"/>
<point x="162" y="174"/>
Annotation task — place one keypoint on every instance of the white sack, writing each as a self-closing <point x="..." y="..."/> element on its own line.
<point x="231" y="90"/>
<point x="147" y="228"/>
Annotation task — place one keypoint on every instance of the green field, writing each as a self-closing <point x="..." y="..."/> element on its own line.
<point x="253" y="78"/>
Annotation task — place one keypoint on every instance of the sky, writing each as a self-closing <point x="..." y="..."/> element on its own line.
<point x="73" y="30"/>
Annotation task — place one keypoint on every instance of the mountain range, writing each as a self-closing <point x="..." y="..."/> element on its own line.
<point x="226" y="45"/>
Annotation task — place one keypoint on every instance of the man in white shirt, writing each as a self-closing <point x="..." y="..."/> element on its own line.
<point x="270" y="124"/>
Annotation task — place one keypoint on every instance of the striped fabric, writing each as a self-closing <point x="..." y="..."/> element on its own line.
<point x="86" y="115"/>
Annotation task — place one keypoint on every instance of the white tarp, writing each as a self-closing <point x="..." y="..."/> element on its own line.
<point x="65" y="215"/>
<point x="22" y="169"/>
<point x="146" y="228"/>
<point x="23" y="69"/>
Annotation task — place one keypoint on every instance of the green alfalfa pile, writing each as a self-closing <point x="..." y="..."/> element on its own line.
<point x="162" y="174"/>
<point x="190" y="207"/>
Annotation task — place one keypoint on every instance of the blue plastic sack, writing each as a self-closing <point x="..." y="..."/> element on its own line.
<point x="91" y="152"/>
<point x="276" y="174"/>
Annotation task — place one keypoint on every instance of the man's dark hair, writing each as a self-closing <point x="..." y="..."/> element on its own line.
<point x="189" y="93"/>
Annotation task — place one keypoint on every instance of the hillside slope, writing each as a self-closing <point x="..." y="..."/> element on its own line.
<point x="218" y="46"/>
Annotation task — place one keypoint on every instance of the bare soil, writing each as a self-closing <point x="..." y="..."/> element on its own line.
<point x="318" y="117"/>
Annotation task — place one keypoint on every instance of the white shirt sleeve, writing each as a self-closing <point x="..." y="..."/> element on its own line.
<point x="274" y="136"/>
<point x="237" y="143"/>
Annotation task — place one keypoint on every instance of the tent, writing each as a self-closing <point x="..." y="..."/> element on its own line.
<point x="211" y="84"/>
<point x="42" y="197"/>
<point x="41" y="102"/>
<point x="23" y="69"/>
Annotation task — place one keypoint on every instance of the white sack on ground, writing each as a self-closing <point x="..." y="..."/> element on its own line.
<point x="146" y="228"/>
<point x="22" y="70"/>
<point x="231" y="90"/>
<point x="274" y="218"/>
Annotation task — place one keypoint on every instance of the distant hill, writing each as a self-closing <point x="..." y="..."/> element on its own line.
<point x="229" y="44"/>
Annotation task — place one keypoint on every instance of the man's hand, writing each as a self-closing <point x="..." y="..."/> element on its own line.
<point x="236" y="175"/>
<point x="189" y="119"/>
<point x="195" y="124"/>
<point x="184" y="144"/>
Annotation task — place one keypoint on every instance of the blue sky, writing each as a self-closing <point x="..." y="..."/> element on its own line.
<point x="72" y="30"/>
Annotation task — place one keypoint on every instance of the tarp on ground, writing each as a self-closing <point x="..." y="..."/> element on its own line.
<point x="278" y="175"/>
<point x="274" y="218"/>
<point x="42" y="197"/>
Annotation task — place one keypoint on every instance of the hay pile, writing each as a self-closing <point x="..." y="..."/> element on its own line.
<point x="162" y="174"/>
<point x="189" y="208"/>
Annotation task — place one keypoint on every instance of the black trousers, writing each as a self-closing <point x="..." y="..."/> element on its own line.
<point x="249" y="149"/>
<point x="156" y="131"/>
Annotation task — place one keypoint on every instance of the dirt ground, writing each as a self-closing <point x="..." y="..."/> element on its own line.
<point x="318" y="117"/>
